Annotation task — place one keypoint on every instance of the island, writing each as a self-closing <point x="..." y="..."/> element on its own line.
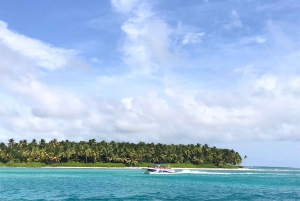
<point x="113" y="154"/>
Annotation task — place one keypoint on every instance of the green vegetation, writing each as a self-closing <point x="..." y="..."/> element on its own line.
<point x="13" y="164"/>
<point x="113" y="154"/>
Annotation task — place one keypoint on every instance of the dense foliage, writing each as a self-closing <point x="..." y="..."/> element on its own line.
<point x="114" y="152"/>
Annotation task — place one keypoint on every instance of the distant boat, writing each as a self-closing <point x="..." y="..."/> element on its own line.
<point x="158" y="168"/>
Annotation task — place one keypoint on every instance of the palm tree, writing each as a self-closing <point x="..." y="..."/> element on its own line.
<point x="87" y="152"/>
<point x="245" y="158"/>
<point x="11" y="142"/>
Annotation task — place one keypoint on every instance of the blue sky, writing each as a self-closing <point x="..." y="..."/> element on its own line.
<point x="225" y="73"/>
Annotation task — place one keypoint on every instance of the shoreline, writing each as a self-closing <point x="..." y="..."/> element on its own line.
<point x="139" y="168"/>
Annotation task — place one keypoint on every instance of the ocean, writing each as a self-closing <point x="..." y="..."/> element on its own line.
<point x="256" y="183"/>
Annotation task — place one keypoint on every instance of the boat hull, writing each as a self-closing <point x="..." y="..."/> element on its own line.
<point x="156" y="170"/>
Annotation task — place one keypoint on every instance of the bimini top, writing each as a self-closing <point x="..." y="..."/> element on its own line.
<point x="160" y="165"/>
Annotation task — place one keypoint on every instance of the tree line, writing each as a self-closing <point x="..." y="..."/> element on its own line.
<point x="92" y="151"/>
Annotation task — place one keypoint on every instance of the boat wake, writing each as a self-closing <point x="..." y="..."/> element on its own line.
<point x="202" y="172"/>
<point x="197" y="172"/>
<point x="163" y="173"/>
<point x="227" y="173"/>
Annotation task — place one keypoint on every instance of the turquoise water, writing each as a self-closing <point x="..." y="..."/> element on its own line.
<point x="107" y="184"/>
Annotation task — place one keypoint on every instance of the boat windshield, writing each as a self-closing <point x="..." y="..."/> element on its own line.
<point x="160" y="166"/>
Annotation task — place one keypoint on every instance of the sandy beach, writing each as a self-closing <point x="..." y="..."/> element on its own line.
<point x="136" y="168"/>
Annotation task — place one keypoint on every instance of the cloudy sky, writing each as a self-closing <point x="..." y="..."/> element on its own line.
<point x="225" y="73"/>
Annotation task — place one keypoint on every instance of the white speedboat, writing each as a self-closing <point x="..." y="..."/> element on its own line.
<point x="158" y="169"/>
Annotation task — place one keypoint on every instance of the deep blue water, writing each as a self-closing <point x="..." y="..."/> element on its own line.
<point x="107" y="184"/>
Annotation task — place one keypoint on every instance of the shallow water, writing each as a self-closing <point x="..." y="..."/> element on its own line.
<point x="120" y="184"/>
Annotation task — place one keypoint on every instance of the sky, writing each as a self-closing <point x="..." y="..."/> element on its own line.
<point x="220" y="72"/>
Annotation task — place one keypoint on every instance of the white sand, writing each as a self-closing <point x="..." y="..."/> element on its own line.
<point x="136" y="168"/>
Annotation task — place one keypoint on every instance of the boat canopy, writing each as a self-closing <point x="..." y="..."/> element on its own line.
<point x="160" y="165"/>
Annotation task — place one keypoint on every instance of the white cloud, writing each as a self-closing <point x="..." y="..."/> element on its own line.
<point x="192" y="38"/>
<point x="41" y="54"/>
<point x="266" y="82"/>
<point x="235" y="20"/>
<point x="124" y="5"/>
<point x="20" y="60"/>
<point x="260" y="40"/>
<point x="127" y="102"/>
<point x="95" y="60"/>
<point x="44" y="101"/>
<point x="207" y="116"/>
<point x="145" y="50"/>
